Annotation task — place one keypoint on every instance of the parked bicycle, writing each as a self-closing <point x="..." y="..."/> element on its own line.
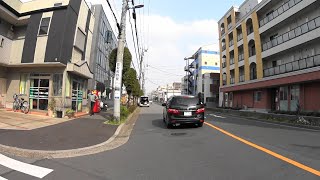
<point x="20" y="104"/>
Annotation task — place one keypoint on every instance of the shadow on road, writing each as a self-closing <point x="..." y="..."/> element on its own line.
<point x="160" y="124"/>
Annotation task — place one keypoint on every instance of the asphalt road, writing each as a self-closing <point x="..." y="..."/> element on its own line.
<point x="154" y="152"/>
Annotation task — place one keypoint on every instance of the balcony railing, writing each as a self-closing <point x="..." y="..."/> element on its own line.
<point x="249" y="30"/>
<point x="241" y="78"/>
<point x="224" y="64"/>
<point x="231" y="43"/>
<point x="232" y="80"/>
<point x="241" y="57"/>
<point x="240" y="37"/>
<point x="297" y="65"/>
<point x="223" y="31"/>
<point x="231" y="60"/>
<point x="229" y="25"/>
<point x="223" y="47"/>
<point x="279" y="11"/>
<point x="252" y="52"/>
<point x="298" y="31"/>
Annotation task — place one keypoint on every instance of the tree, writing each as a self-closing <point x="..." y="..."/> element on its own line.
<point x="127" y="58"/>
<point x="131" y="82"/>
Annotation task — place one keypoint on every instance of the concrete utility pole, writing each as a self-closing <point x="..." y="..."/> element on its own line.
<point x="119" y="64"/>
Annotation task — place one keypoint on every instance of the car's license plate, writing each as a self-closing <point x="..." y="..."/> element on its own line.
<point x="187" y="113"/>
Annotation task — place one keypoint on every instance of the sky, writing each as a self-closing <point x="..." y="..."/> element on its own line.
<point x="170" y="30"/>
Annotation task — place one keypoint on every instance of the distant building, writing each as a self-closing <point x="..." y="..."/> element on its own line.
<point x="200" y="73"/>
<point x="104" y="41"/>
<point x="270" y="55"/>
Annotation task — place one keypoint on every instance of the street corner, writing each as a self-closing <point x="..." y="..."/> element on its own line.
<point x="82" y="136"/>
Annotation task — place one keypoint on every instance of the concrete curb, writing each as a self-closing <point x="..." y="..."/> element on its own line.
<point x="273" y="122"/>
<point x="120" y="137"/>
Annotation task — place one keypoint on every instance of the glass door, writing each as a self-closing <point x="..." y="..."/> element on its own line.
<point x="77" y="96"/>
<point x="39" y="93"/>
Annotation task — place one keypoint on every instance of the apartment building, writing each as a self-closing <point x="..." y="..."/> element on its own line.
<point x="104" y="41"/>
<point x="270" y="55"/>
<point x="205" y="61"/>
<point x="45" y="51"/>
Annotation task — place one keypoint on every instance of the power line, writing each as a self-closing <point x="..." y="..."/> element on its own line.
<point x="115" y="17"/>
<point x="163" y="71"/>
<point x="136" y="29"/>
<point x="134" y="42"/>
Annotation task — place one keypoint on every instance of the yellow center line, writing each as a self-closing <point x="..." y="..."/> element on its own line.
<point x="290" y="161"/>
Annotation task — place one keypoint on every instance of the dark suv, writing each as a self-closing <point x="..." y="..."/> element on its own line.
<point x="183" y="110"/>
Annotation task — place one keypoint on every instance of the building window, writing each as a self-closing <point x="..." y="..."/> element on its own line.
<point x="2" y="42"/>
<point x="295" y="92"/>
<point x="216" y="64"/>
<point x="257" y="96"/>
<point x="205" y="63"/>
<point x="57" y="84"/>
<point x="80" y="40"/>
<point x="44" y="26"/>
<point x="23" y="84"/>
<point x="283" y="93"/>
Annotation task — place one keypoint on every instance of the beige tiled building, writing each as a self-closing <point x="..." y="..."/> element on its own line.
<point x="270" y="55"/>
<point x="45" y="51"/>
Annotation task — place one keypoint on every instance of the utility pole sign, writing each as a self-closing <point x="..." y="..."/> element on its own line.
<point x="117" y="80"/>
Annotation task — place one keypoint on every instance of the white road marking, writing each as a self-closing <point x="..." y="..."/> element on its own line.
<point x="1" y="178"/>
<point x="29" y="169"/>
<point x="216" y="116"/>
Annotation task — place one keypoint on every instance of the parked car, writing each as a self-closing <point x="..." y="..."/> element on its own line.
<point x="183" y="110"/>
<point x="144" y="101"/>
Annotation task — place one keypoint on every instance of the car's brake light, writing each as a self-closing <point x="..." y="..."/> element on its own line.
<point x="173" y="111"/>
<point x="200" y="111"/>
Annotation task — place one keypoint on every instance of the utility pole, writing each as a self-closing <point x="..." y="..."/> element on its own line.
<point x="119" y="63"/>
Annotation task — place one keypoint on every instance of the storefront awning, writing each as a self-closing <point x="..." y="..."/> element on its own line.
<point x="82" y="69"/>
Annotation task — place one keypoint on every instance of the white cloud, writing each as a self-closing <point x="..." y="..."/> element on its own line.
<point x="171" y="41"/>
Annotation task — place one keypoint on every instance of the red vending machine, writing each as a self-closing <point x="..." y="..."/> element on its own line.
<point x="96" y="107"/>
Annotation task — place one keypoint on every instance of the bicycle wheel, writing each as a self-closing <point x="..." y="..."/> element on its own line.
<point x="25" y="107"/>
<point x="15" y="106"/>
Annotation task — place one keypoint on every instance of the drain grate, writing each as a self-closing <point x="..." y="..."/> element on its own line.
<point x="178" y="134"/>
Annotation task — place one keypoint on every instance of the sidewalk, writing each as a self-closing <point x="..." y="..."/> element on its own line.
<point x="69" y="134"/>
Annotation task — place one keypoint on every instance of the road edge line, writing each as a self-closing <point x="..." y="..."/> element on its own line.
<point x="265" y="150"/>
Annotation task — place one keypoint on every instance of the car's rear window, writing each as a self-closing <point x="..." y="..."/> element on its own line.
<point x="143" y="99"/>
<point x="185" y="101"/>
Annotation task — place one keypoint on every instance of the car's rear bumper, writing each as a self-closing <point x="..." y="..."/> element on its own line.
<point x="144" y="105"/>
<point x="185" y="121"/>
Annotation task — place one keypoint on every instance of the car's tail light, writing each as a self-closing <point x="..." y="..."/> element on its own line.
<point x="173" y="111"/>
<point x="200" y="111"/>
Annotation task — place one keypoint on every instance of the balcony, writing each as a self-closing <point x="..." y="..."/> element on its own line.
<point x="231" y="43"/>
<point x="283" y="13"/>
<point x="297" y="65"/>
<point x="231" y="60"/>
<point x="241" y="78"/>
<point x="239" y="37"/>
<point x="223" y="31"/>
<point x="223" y="47"/>
<point x="241" y="57"/>
<point x="294" y="34"/>
<point x="286" y="6"/>
<point x="224" y="64"/>
<point x="232" y="80"/>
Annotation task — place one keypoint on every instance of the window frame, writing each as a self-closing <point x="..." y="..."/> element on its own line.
<point x="48" y="26"/>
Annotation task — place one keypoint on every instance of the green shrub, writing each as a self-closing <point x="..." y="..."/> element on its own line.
<point x="124" y="112"/>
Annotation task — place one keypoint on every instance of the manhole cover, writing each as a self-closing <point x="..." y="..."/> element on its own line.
<point x="178" y="134"/>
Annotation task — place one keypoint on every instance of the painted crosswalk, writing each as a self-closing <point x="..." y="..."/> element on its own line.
<point x="25" y="168"/>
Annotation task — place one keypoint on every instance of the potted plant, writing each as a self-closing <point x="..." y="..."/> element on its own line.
<point x="51" y="107"/>
<point x="70" y="113"/>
